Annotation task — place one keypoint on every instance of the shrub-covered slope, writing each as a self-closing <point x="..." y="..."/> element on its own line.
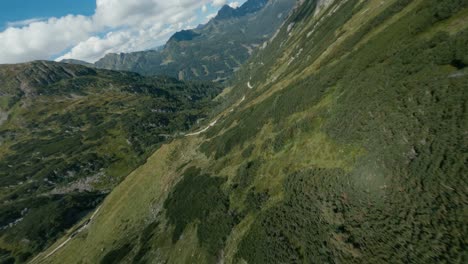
<point x="343" y="141"/>
<point x="69" y="134"/>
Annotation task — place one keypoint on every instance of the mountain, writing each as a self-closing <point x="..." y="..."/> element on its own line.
<point x="252" y="6"/>
<point x="341" y="140"/>
<point x="184" y="35"/>
<point x="69" y="134"/>
<point x="210" y="52"/>
<point x="79" y="62"/>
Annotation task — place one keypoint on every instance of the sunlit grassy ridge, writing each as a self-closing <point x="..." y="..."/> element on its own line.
<point x="343" y="140"/>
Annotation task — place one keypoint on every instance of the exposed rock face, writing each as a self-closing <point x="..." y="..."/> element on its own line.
<point x="213" y="51"/>
<point x="250" y="6"/>
<point x="184" y="35"/>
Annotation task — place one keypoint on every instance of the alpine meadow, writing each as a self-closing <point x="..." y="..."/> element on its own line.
<point x="280" y="131"/>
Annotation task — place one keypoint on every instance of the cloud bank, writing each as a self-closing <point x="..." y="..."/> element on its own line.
<point x="116" y="26"/>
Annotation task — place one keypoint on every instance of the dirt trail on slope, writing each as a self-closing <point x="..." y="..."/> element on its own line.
<point x="80" y="229"/>
<point x="216" y="121"/>
<point x="203" y="130"/>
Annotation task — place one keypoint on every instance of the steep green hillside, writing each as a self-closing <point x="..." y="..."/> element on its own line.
<point x="69" y="134"/>
<point x="343" y="140"/>
<point x="213" y="51"/>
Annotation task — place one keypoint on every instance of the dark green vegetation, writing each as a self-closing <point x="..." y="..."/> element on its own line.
<point x="117" y="255"/>
<point x="343" y="141"/>
<point x="38" y="220"/>
<point x="406" y="104"/>
<point x="295" y="231"/>
<point x="199" y="197"/>
<point x="210" y="52"/>
<point x="71" y="134"/>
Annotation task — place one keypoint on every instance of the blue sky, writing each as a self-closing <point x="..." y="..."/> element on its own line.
<point x="89" y="29"/>
<point x="20" y="10"/>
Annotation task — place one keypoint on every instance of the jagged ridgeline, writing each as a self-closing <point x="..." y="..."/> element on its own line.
<point x="344" y="142"/>
<point x="69" y="134"/>
<point x="213" y="51"/>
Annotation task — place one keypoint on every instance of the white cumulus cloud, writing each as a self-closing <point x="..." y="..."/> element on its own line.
<point x="234" y="4"/>
<point x="218" y="3"/>
<point x="211" y="16"/>
<point x="116" y="26"/>
<point x="23" y="23"/>
<point x="43" y="39"/>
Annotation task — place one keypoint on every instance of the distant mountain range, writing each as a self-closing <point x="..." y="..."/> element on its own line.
<point x="213" y="51"/>
<point x="227" y="12"/>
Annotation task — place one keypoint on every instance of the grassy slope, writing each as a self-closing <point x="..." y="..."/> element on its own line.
<point x="72" y="135"/>
<point x="353" y="151"/>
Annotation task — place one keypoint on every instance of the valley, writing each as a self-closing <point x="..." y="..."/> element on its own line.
<point x="74" y="133"/>
<point x="340" y="138"/>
